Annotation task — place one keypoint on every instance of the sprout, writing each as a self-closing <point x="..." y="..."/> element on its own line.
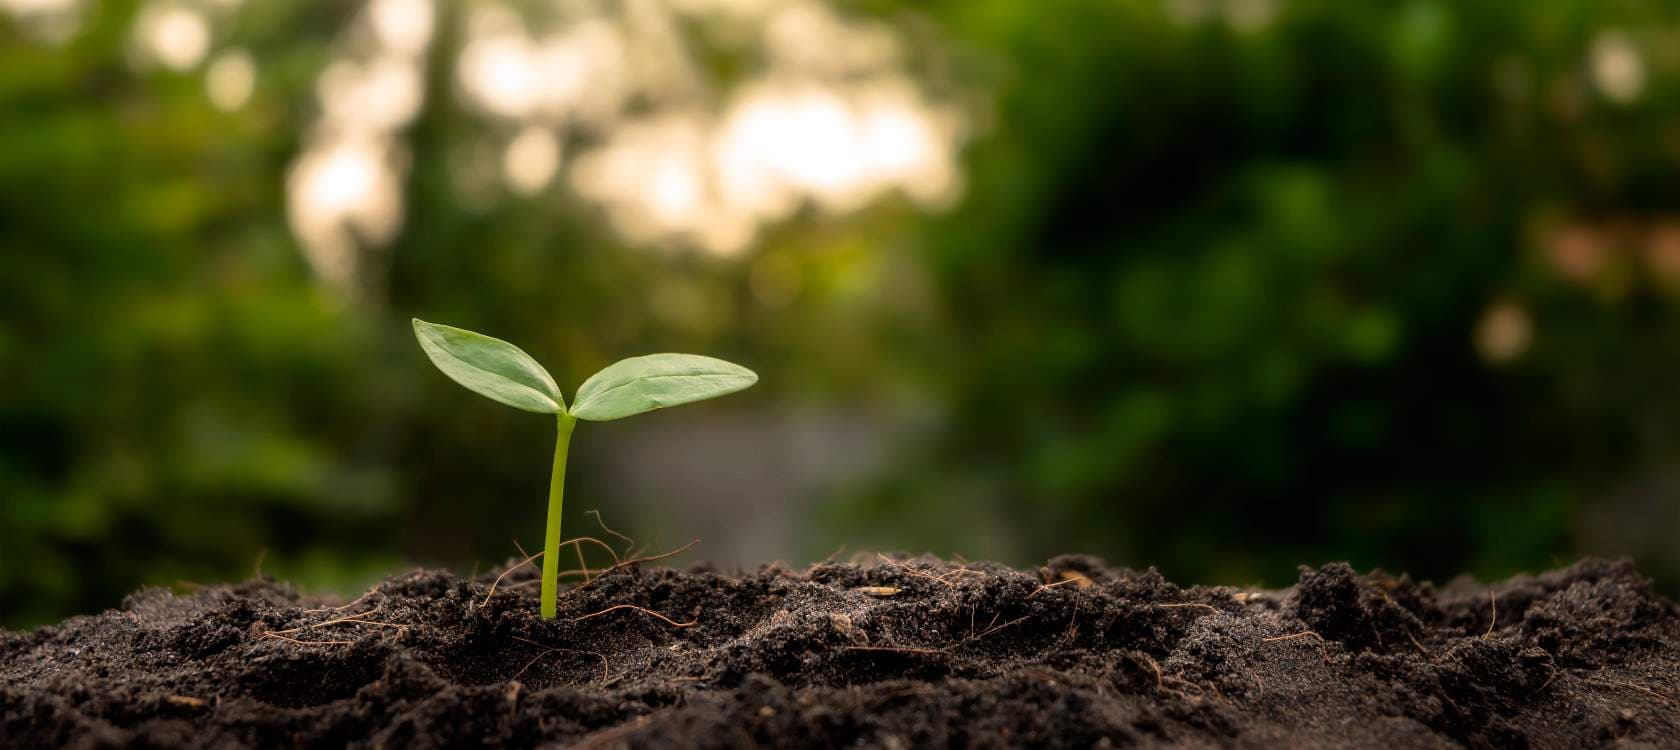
<point x="500" y="371"/>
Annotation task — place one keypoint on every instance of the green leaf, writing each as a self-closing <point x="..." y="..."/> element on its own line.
<point x="490" y="367"/>
<point x="639" y="384"/>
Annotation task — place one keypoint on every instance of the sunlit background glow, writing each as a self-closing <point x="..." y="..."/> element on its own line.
<point x="832" y="121"/>
<point x="53" y="21"/>
<point x="606" y="99"/>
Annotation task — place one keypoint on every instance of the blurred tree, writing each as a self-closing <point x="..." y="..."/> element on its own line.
<point x="1216" y="289"/>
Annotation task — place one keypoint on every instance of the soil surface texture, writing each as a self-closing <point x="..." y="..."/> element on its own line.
<point x="893" y="653"/>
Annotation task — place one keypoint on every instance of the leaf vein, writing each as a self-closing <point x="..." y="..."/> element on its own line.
<point x="470" y="365"/>
<point x="632" y="381"/>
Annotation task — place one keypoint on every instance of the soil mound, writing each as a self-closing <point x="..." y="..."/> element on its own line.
<point x="888" y="653"/>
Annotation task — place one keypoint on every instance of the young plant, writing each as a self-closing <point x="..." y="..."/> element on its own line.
<point x="500" y="371"/>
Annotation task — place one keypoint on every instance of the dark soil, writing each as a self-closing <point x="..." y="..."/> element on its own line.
<point x="916" y="653"/>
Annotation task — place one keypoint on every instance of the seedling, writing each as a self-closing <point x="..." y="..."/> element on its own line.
<point x="500" y="371"/>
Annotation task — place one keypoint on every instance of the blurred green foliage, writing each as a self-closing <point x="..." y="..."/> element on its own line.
<point x="1217" y="299"/>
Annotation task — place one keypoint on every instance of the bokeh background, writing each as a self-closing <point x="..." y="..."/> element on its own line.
<point x="1219" y="286"/>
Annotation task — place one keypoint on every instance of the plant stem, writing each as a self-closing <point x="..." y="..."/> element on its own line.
<point x="556" y="501"/>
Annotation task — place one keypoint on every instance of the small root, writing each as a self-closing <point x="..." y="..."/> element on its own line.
<point x="995" y="628"/>
<point x="1161" y="678"/>
<point x="1322" y="645"/>
<point x="1071" y="632"/>
<point x="290" y="639"/>
<point x="528" y="664"/>
<point x="941" y="579"/>
<point x="585" y="571"/>
<point x="349" y="604"/>
<point x="1195" y="697"/>
<point x="356" y="619"/>
<point x="1043" y="587"/>
<point x="898" y="650"/>
<point x="660" y="556"/>
<point x="1632" y="686"/>
<point x="1420" y="647"/>
<point x="958" y="572"/>
<point x="551" y="649"/>
<point x="582" y="563"/>
<point x="619" y="735"/>
<point x="643" y="610"/>
<point x="511" y="568"/>
<point x="603" y="545"/>
<point x="634" y="561"/>
<point x="1493" y="602"/>
<point x="1548" y="682"/>
<point x="1198" y="605"/>
<point x="628" y="542"/>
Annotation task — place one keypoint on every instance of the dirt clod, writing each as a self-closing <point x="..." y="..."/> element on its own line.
<point x="972" y="655"/>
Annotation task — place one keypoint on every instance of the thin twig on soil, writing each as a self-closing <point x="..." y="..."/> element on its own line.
<point x="643" y="610"/>
<point x="878" y="590"/>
